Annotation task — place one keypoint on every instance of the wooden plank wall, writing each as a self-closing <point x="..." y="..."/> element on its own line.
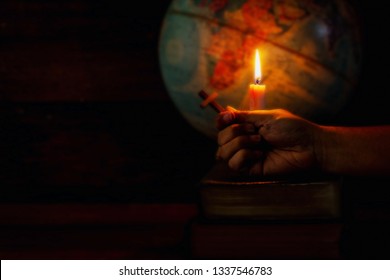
<point x="83" y="102"/>
<point x="95" y="160"/>
<point x="80" y="50"/>
<point x="86" y="124"/>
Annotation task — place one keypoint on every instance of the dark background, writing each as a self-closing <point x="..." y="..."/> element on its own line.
<point x="95" y="160"/>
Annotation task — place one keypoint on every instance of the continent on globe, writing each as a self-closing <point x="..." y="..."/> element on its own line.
<point x="311" y="55"/>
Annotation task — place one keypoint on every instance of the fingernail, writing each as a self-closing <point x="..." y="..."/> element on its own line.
<point x="228" y="117"/>
<point x="230" y="108"/>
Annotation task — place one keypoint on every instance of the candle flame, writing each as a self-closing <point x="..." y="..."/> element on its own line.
<point x="257" y="68"/>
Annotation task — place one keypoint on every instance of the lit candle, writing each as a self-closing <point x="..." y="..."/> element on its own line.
<point x="257" y="90"/>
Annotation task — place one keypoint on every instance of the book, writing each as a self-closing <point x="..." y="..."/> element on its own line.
<point x="266" y="241"/>
<point x="225" y="194"/>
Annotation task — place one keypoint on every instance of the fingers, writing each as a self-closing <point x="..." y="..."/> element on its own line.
<point x="246" y="159"/>
<point x="217" y="156"/>
<point x="226" y="151"/>
<point x="225" y="119"/>
<point x="233" y="131"/>
<point x="257" y="167"/>
<point x="257" y="117"/>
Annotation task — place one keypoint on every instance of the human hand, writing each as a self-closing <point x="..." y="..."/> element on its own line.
<point x="267" y="142"/>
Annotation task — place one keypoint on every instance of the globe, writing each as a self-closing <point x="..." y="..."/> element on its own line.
<point x="310" y="55"/>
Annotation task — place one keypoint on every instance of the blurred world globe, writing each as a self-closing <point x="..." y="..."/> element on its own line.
<point x="310" y="55"/>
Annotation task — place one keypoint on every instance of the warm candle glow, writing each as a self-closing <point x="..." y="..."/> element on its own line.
<point x="257" y="90"/>
<point x="257" y="68"/>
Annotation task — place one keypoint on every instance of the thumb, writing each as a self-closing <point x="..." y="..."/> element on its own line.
<point x="226" y="117"/>
<point x="231" y="116"/>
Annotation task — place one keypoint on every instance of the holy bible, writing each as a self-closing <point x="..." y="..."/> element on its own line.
<point x="265" y="240"/>
<point x="227" y="195"/>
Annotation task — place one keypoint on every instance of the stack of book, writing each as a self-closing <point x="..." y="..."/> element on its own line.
<point x="273" y="218"/>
